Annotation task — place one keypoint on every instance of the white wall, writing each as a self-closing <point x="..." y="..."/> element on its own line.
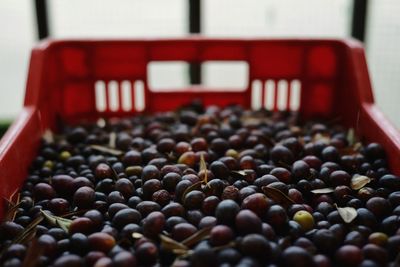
<point x="17" y="35"/>
<point x="141" y="18"/>
<point x="383" y="51"/>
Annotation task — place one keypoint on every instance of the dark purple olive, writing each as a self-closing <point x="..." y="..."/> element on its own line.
<point x="226" y="212"/>
<point x="182" y="231"/>
<point x="247" y="222"/>
<point x="84" y="197"/>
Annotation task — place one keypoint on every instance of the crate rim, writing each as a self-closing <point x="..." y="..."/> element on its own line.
<point x="49" y="43"/>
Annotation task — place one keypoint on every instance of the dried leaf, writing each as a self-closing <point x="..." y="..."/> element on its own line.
<point x="104" y="149"/>
<point x="101" y="123"/>
<point x="57" y="221"/>
<point x="15" y="193"/>
<point x="359" y="181"/>
<point x="348" y="214"/>
<point x="203" y="167"/>
<point x="278" y="196"/>
<point x="322" y="190"/>
<point x="114" y="172"/>
<point x="28" y="232"/>
<point x="182" y="252"/>
<point x="324" y="138"/>
<point x="35" y="250"/>
<point x="24" y="237"/>
<point x="136" y="235"/>
<point x="112" y="140"/>
<point x="197" y="237"/>
<point x="357" y="146"/>
<point x="194" y="186"/>
<point x="229" y="245"/>
<point x="12" y="212"/>
<point x="351" y="137"/>
<point x="351" y="150"/>
<point x="48" y="136"/>
<point x="296" y="130"/>
<point x="170" y="244"/>
<point x="250" y="120"/>
<point x="241" y="174"/>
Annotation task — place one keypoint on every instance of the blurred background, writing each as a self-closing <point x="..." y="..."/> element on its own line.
<point x="375" y="22"/>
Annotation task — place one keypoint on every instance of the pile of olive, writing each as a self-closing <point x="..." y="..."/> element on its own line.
<point x="205" y="187"/>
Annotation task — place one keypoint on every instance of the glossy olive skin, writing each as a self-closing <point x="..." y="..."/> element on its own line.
<point x="218" y="186"/>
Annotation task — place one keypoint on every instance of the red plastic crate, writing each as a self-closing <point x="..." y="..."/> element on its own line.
<point x="63" y="75"/>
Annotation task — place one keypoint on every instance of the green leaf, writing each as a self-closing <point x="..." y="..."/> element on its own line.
<point x="57" y="221"/>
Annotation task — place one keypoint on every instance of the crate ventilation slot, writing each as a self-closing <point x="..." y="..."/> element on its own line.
<point x="276" y="94"/>
<point x="117" y="96"/>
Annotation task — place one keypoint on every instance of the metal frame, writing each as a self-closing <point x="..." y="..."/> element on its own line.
<point x="359" y="20"/>
<point x="42" y="19"/>
<point x="195" y="28"/>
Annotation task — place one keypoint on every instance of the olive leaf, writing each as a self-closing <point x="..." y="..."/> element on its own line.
<point x="324" y="138"/>
<point x="136" y="235"/>
<point x="197" y="237"/>
<point x="57" y="221"/>
<point x="351" y="150"/>
<point x="48" y="136"/>
<point x="350" y="137"/>
<point x="170" y="244"/>
<point x="12" y="212"/>
<point x="359" y="181"/>
<point x="203" y="167"/>
<point x="108" y="150"/>
<point x="240" y="174"/>
<point x="29" y="231"/>
<point x="322" y="190"/>
<point x="112" y="140"/>
<point x="278" y="196"/>
<point x="348" y="214"/>
<point x="229" y="245"/>
<point x="194" y="186"/>
<point x="25" y="236"/>
<point x="72" y="213"/>
<point x="114" y="173"/>
<point x="12" y="206"/>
